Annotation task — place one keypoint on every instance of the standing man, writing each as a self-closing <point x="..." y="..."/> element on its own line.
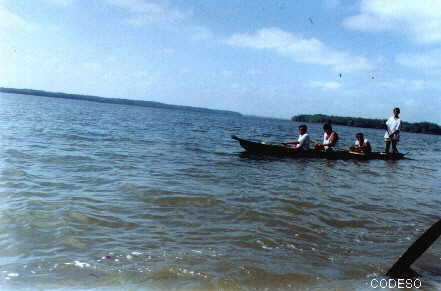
<point x="392" y="135"/>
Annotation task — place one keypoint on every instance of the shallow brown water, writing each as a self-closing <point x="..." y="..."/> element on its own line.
<point x="101" y="196"/>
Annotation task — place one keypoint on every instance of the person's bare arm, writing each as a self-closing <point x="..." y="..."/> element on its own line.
<point x="366" y="147"/>
<point x="333" y="139"/>
<point x="290" y="142"/>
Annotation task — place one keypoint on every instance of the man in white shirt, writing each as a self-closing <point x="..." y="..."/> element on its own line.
<point x="392" y="135"/>
<point x="303" y="141"/>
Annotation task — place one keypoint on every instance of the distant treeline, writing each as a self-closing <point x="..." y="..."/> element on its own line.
<point x="418" y="127"/>
<point x="112" y="100"/>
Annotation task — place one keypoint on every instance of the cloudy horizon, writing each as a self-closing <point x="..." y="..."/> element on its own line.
<point x="274" y="59"/>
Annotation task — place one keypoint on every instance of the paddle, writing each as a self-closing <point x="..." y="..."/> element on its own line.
<point x="356" y="153"/>
<point x="311" y="140"/>
<point x="387" y="129"/>
<point x="401" y="268"/>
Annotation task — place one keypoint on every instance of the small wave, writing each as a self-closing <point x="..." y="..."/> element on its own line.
<point x="50" y="225"/>
<point x="75" y="137"/>
<point x="293" y="210"/>
<point x="197" y="150"/>
<point x="87" y="199"/>
<point x="193" y="201"/>
<point x="306" y="204"/>
<point x="127" y="167"/>
<point x="57" y="185"/>
<point x="73" y="242"/>
<point x="96" y="181"/>
<point x="223" y="154"/>
<point x="259" y="244"/>
<point x="91" y="168"/>
<point x="263" y="280"/>
<point x="173" y="273"/>
<point x="146" y="193"/>
<point x="13" y="172"/>
<point x="113" y="155"/>
<point x="14" y="186"/>
<point x="18" y="154"/>
<point x="104" y="221"/>
<point x="345" y="223"/>
<point x="251" y="215"/>
<point x="67" y="159"/>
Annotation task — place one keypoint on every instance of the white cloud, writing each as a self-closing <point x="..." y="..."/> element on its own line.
<point x="332" y="3"/>
<point x="428" y="60"/>
<point x="61" y="2"/>
<point x="408" y="85"/>
<point x="419" y="20"/>
<point x="10" y="21"/>
<point x="301" y="50"/>
<point x="92" y="66"/>
<point x="145" y="13"/>
<point x="325" y="86"/>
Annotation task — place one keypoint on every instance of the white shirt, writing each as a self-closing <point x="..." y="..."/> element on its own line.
<point x="326" y="139"/>
<point x="357" y="143"/>
<point x="303" y="142"/>
<point x="392" y="126"/>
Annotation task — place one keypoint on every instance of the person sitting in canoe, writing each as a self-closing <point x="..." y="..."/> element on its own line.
<point x="330" y="138"/>
<point x="303" y="140"/>
<point x="362" y="145"/>
<point x="392" y="135"/>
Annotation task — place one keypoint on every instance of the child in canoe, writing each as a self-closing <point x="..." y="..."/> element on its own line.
<point x="361" y="145"/>
<point x="303" y="140"/>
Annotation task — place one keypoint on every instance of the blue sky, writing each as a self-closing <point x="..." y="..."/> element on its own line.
<point x="268" y="58"/>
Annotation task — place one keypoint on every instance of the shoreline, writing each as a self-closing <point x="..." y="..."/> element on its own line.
<point x="120" y="101"/>
<point x="416" y="127"/>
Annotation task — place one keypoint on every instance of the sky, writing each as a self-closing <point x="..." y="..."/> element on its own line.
<point x="268" y="58"/>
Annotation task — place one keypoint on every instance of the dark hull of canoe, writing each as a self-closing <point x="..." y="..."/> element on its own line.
<point x="259" y="148"/>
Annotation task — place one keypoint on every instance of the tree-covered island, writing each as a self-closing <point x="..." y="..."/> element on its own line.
<point x="112" y="100"/>
<point x="418" y="127"/>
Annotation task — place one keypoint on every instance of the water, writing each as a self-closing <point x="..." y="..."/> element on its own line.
<point x="111" y="197"/>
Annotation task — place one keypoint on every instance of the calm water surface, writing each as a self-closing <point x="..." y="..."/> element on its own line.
<point x="102" y="196"/>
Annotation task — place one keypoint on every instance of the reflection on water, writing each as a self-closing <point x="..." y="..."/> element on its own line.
<point x="117" y="197"/>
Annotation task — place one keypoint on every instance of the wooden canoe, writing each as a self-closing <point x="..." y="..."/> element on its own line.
<point x="268" y="149"/>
